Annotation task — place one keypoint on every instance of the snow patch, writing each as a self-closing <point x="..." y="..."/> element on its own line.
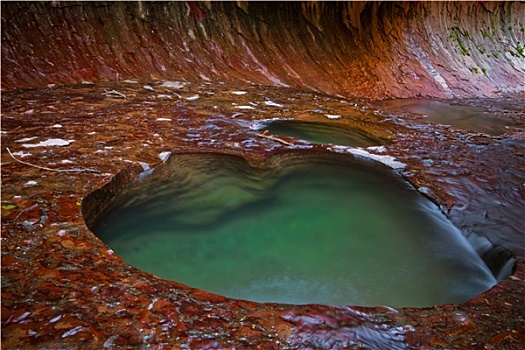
<point x="332" y="116"/>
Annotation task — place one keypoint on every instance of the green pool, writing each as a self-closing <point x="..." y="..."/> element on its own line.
<point x="302" y="230"/>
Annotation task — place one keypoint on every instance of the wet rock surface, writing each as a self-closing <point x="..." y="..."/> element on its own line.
<point x="63" y="288"/>
<point x="80" y="294"/>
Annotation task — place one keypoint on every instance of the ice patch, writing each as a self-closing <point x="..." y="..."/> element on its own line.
<point x="130" y="81"/>
<point x="239" y="92"/>
<point x="148" y="87"/>
<point x="332" y="116"/>
<point x="57" y="126"/>
<point x="163" y="119"/>
<point x="30" y="183"/>
<point x="49" y="142"/>
<point x="245" y="107"/>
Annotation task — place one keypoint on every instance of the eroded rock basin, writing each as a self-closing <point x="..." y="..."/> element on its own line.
<point x="63" y="287"/>
<point x="308" y="228"/>
<point x="319" y="132"/>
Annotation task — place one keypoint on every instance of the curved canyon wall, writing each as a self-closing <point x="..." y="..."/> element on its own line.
<point x="370" y="50"/>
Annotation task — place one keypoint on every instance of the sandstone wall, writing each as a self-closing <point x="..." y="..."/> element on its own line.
<point x="354" y="49"/>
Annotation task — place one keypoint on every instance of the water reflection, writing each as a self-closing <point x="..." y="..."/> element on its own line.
<point x="461" y="117"/>
<point x="321" y="229"/>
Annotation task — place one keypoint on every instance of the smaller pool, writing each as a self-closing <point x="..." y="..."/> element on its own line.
<point x="461" y="117"/>
<point x="321" y="133"/>
<point x="306" y="228"/>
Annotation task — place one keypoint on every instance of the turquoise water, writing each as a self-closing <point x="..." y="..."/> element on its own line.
<point x="308" y="232"/>
<point x="321" y="133"/>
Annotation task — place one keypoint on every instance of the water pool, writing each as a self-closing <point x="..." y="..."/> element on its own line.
<point x="316" y="229"/>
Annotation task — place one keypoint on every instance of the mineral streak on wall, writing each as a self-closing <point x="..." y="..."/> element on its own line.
<point x="354" y="49"/>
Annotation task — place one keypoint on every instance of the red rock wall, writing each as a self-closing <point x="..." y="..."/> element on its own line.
<point x="355" y="49"/>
